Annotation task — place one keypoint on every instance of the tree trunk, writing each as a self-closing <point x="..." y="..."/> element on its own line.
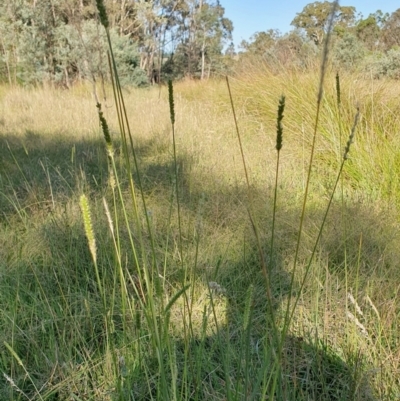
<point x="7" y="62"/>
<point x="150" y="66"/>
<point x="203" y="57"/>
<point x="67" y="83"/>
<point x="123" y="17"/>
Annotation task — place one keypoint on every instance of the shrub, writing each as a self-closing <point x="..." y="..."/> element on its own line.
<point x="348" y="52"/>
<point x="384" y="65"/>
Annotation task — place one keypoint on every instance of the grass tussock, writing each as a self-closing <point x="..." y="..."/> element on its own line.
<point x="151" y="285"/>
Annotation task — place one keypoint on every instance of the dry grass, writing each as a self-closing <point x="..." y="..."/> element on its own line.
<point x="55" y="151"/>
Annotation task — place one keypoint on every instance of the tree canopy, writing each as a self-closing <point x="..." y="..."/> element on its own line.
<point x="370" y="44"/>
<point x="60" y="41"/>
<point x="315" y="16"/>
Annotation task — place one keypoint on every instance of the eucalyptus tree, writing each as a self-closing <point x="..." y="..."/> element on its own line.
<point x="368" y="31"/>
<point x="59" y="41"/>
<point x="198" y="31"/>
<point x="391" y="30"/>
<point x="260" y="42"/>
<point x="315" y="16"/>
<point x="213" y="31"/>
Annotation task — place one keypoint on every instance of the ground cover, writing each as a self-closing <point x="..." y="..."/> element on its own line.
<point x="175" y="303"/>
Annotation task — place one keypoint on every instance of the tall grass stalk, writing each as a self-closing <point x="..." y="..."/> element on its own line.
<point x="276" y="370"/>
<point x="250" y="211"/>
<point x="278" y="146"/>
<point x="324" y="63"/>
<point x="21" y="363"/>
<point x="324" y="219"/>
<point x="264" y="267"/>
<point x="343" y="222"/>
<point x="279" y="141"/>
<point x="187" y="315"/>
<point x="152" y="297"/>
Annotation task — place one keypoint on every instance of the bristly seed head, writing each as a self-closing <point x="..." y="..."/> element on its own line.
<point x="351" y="136"/>
<point x="338" y="88"/>
<point x="87" y="222"/>
<point x="171" y="101"/>
<point x="104" y="125"/>
<point x="102" y="13"/>
<point x="279" y="128"/>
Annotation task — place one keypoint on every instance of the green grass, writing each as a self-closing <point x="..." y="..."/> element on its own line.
<point x="173" y="302"/>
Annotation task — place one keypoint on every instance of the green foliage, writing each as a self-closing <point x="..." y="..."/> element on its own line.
<point x="368" y="32"/>
<point x="128" y="61"/>
<point x="382" y="65"/>
<point x="199" y="51"/>
<point x="314" y="18"/>
<point x="261" y="42"/>
<point x="57" y="41"/>
<point x="391" y="30"/>
<point x="60" y="41"/>
<point x="40" y="45"/>
<point x="83" y="54"/>
<point x="292" y="50"/>
<point x="354" y="40"/>
<point x="348" y="52"/>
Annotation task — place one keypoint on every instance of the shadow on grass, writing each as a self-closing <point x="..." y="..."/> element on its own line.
<point x="53" y="279"/>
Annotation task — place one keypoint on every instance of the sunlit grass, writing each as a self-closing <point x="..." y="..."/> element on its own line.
<point x="52" y="315"/>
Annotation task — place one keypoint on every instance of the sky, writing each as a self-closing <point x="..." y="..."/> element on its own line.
<point x="250" y="16"/>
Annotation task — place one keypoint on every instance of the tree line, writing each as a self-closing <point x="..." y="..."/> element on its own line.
<point x="366" y="44"/>
<point x="60" y="41"/>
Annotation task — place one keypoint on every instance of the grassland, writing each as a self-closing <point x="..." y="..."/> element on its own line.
<point x="198" y="326"/>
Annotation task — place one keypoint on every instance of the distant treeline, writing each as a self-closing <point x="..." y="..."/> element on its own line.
<point x="370" y="44"/>
<point x="61" y="42"/>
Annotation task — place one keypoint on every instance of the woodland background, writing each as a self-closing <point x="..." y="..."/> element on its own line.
<point x="59" y="42"/>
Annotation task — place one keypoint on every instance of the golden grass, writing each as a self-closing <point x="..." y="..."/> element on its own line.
<point x="359" y="251"/>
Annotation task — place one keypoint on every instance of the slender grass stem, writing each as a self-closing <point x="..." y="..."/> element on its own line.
<point x="310" y="165"/>
<point x="251" y="217"/>
<point x="339" y="174"/>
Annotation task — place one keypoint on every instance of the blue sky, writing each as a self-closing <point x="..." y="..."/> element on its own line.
<point x="250" y="16"/>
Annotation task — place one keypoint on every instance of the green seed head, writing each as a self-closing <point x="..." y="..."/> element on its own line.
<point x="87" y="222"/>
<point x="351" y="136"/>
<point x="279" y="128"/>
<point x="102" y="13"/>
<point x="171" y="102"/>
<point x="338" y="88"/>
<point x="104" y="126"/>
